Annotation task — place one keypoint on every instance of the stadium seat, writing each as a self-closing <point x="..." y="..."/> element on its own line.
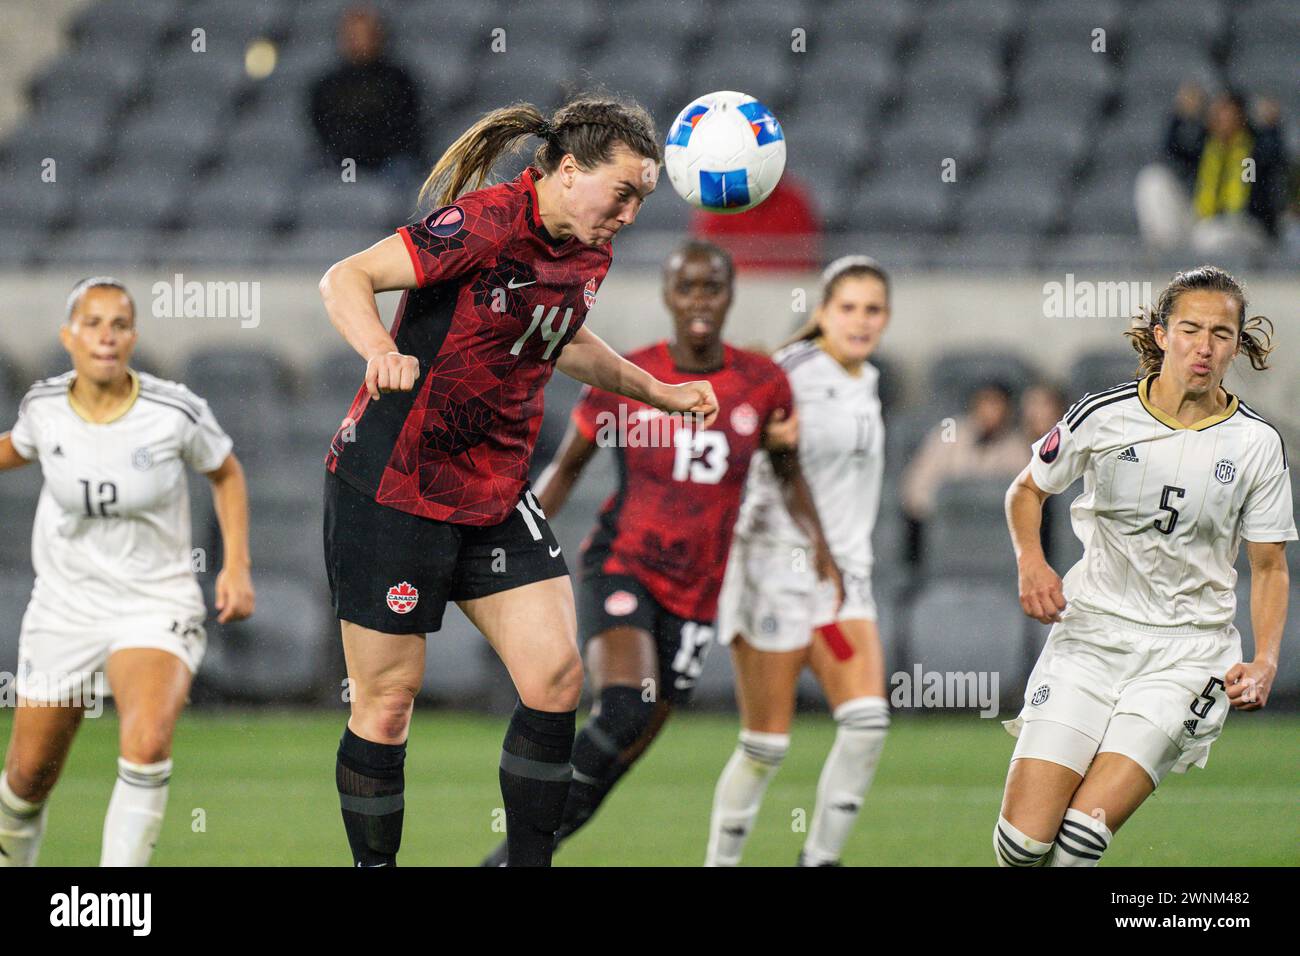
<point x="1265" y="67"/>
<point x="335" y="377"/>
<point x="1105" y="204"/>
<point x="1191" y="22"/>
<point x="199" y="80"/>
<point x="750" y="63"/>
<point x="909" y="200"/>
<point x="19" y="492"/>
<point x="1154" y="71"/>
<point x="1032" y="139"/>
<point x="654" y="21"/>
<point x="101" y="76"/>
<point x="927" y="136"/>
<point x="15" y="592"/>
<point x="28" y="204"/>
<point x="235" y="199"/>
<point x="102" y="247"/>
<point x="955" y="374"/>
<point x="959" y="627"/>
<point x="953" y="74"/>
<point x="1003" y="202"/>
<point x="1065" y="21"/>
<point x="1100" y="369"/>
<point x="134" y="24"/>
<point x="139" y="197"/>
<point x="967" y="535"/>
<point x="995" y="20"/>
<point x="232" y="24"/>
<point x="279" y="654"/>
<point x="76" y="139"/>
<point x="1065" y="77"/>
<point x="223" y="246"/>
<point x="890" y="24"/>
<point x="1264" y="20"/>
<point x="319" y="248"/>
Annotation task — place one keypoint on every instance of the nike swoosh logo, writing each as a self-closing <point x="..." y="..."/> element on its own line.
<point x="555" y="553"/>
<point x="512" y="284"/>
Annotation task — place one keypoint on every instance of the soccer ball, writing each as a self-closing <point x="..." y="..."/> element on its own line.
<point x="725" y="152"/>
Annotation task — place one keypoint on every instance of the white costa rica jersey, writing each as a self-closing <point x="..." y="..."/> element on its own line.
<point x="1164" y="506"/>
<point x="111" y="539"/>
<point x="841" y="454"/>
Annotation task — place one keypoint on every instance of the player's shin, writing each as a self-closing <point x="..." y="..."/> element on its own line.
<point x="535" y="776"/>
<point x="846" y="777"/>
<point x="135" y="813"/>
<point x="371" y="783"/>
<point x="739" y="794"/>
<point x="1081" y="841"/>
<point x="624" y="716"/>
<point x="22" y="824"/>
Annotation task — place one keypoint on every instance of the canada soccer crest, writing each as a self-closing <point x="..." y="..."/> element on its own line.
<point x="744" y="420"/>
<point x="620" y="604"/>
<point x="589" y="293"/>
<point x="402" y="598"/>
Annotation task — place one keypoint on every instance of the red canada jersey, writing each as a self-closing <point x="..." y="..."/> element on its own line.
<point x="670" y="522"/>
<point x="497" y="300"/>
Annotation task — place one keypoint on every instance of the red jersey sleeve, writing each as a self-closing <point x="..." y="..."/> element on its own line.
<point x="592" y="406"/>
<point x="455" y="239"/>
<point x="779" y="393"/>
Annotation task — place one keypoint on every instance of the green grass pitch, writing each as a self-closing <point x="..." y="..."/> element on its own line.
<point x="257" y="789"/>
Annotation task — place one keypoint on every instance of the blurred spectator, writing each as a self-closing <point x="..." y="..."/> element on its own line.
<point x="1200" y="192"/>
<point x="983" y="443"/>
<point x="783" y="232"/>
<point x="367" y="108"/>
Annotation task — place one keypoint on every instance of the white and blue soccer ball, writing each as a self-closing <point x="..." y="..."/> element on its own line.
<point x="725" y="152"/>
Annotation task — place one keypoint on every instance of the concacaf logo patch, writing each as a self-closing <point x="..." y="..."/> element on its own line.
<point x="446" y="221"/>
<point x="1041" y="695"/>
<point x="402" y="598"/>
<point x="1051" y="446"/>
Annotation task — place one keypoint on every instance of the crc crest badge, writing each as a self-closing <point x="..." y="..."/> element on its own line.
<point x="402" y="598"/>
<point x="142" y="459"/>
<point x="1040" y="695"/>
<point x="1225" y="470"/>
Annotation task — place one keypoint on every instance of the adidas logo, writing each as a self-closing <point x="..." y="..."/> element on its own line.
<point x="1128" y="454"/>
<point x="1189" y="726"/>
<point x="58" y="451"/>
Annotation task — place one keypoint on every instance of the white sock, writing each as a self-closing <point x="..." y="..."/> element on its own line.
<point x="135" y="813"/>
<point x="846" y="777"/>
<point x="1081" y="840"/>
<point x="739" y="794"/>
<point x="22" y="824"/>
<point x="1014" y="848"/>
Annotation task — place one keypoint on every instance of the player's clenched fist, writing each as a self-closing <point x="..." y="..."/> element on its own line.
<point x="694" y="397"/>
<point x="391" y="372"/>
<point x="1041" y="594"/>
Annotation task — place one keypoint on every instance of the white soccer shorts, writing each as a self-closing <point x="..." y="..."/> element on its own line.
<point x="771" y="595"/>
<point x="1097" y="666"/>
<point x="58" y="663"/>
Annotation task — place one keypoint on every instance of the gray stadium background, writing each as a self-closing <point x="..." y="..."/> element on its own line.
<point x="174" y="163"/>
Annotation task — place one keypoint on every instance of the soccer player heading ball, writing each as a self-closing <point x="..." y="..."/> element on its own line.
<point x="1143" y="660"/>
<point x="426" y="496"/>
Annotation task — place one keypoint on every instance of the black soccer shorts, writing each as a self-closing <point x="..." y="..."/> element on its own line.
<point x="607" y="601"/>
<point x="394" y="572"/>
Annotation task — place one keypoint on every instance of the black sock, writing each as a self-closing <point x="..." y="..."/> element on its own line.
<point x="535" y="774"/>
<point x="597" y="765"/>
<point x="370" y="783"/>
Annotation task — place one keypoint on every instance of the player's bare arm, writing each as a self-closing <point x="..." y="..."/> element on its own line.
<point x="9" y="457"/>
<point x="235" y="599"/>
<point x="562" y="473"/>
<point x="782" y="431"/>
<point x="348" y="289"/>
<point x="799" y="502"/>
<point x="590" y="360"/>
<point x="1041" y="594"/>
<point x="1249" y="682"/>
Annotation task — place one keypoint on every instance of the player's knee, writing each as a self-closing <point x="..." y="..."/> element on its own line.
<point x="765" y="749"/>
<point x="1013" y="847"/>
<point x="556" y="687"/>
<point x="31" y="780"/>
<point x="863" y="723"/>
<point x="383" y="714"/>
<point x="625" y="715"/>
<point x="147" y="745"/>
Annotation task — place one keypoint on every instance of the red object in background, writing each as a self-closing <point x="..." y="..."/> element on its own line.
<point x="781" y="233"/>
<point x="836" y="641"/>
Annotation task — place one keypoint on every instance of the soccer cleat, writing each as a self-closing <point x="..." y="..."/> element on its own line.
<point x="804" y="862"/>
<point x="497" y="857"/>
